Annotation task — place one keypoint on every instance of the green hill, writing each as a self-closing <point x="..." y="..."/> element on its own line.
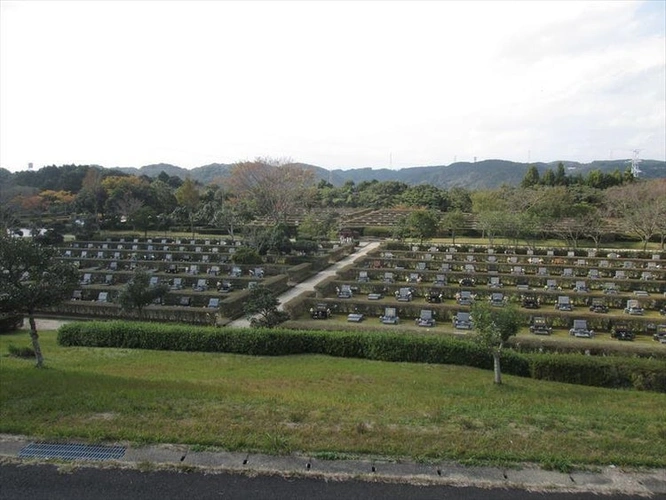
<point x="479" y="175"/>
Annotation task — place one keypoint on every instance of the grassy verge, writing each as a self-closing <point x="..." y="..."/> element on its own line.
<point x="321" y="405"/>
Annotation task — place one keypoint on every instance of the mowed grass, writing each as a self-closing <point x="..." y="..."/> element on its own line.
<point x="323" y="406"/>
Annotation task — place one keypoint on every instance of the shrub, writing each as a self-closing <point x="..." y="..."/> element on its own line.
<point x="10" y="322"/>
<point x="610" y="371"/>
<point x="245" y="255"/>
<point x="21" y="352"/>
<point x="306" y="246"/>
<point x="378" y="231"/>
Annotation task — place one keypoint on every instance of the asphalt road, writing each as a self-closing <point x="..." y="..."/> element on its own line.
<point x="50" y="482"/>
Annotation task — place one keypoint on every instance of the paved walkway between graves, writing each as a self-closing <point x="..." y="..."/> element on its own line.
<point x="309" y="284"/>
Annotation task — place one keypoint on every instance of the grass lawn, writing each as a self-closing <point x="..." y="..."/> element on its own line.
<point x="326" y="407"/>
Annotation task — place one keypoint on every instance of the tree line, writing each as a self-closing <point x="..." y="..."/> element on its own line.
<point x="552" y="204"/>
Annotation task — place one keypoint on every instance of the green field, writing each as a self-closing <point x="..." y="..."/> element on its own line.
<point x="325" y="407"/>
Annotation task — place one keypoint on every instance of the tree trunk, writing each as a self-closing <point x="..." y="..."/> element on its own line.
<point x="496" y="366"/>
<point x="35" y="340"/>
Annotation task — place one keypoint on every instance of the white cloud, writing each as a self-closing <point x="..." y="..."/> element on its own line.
<point x="338" y="84"/>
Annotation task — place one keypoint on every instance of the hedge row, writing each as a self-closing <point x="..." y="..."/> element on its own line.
<point x="613" y="372"/>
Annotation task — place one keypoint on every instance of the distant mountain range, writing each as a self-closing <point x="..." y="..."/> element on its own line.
<point x="480" y="175"/>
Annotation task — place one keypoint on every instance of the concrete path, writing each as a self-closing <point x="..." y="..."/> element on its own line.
<point x="44" y="324"/>
<point x="608" y="480"/>
<point x="309" y="284"/>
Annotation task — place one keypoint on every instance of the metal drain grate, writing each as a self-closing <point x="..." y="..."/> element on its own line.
<point x="71" y="451"/>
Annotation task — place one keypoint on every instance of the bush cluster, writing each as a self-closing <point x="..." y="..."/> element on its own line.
<point x="21" y="352"/>
<point x="616" y="372"/>
<point x="613" y="372"/>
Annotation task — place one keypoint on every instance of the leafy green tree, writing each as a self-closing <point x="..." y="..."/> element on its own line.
<point x="8" y="218"/>
<point x="460" y="199"/>
<point x="531" y="177"/>
<point x="530" y="227"/>
<point x="163" y="177"/>
<point x="92" y="196"/>
<point x="231" y="214"/>
<point x="548" y="178"/>
<point x="375" y="194"/>
<point x="317" y="228"/>
<point x="188" y="198"/>
<point x="595" y="224"/>
<point x="454" y="222"/>
<point x="164" y="199"/>
<point x="572" y="228"/>
<point x="489" y="201"/>
<point x="143" y="219"/>
<point x="261" y="308"/>
<point x="423" y="224"/>
<point x="246" y="255"/>
<point x="272" y="239"/>
<point x="561" y="175"/>
<point x="425" y="196"/>
<point x="491" y="224"/>
<point x="494" y="326"/>
<point x="401" y="229"/>
<point x="32" y="277"/>
<point x="138" y="292"/>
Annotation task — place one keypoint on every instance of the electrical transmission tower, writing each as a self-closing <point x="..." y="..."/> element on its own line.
<point x="635" y="162"/>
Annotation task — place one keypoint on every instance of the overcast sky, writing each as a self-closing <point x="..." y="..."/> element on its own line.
<point x="334" y="84"/>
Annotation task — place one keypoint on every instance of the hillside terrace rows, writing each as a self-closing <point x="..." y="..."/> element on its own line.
<point x="356" y="219"/>
<point x="434" y="279"/>
<point x="200" y="275"/>
<point x="391" y="218"/>
<point x="296" y="217"/>
<point x="385" y="217"/>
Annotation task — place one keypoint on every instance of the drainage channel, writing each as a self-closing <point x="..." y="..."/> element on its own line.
<point x="70" y="451"/>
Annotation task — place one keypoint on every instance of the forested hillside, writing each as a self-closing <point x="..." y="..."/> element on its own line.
<point x="567" y="202"/>
<point x="486" y="174"/>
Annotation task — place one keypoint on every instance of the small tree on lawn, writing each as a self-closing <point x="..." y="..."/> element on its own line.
<point x="423" y="224"/>
<point x="261" y="308"/>
<point x="494" y="326"/>
<point x="138" y="292"/>
<point x="142" y="219"/>
<point x="453" y="221"/>
<point x="32" y="277"/>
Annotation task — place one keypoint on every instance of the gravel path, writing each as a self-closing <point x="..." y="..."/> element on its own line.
<point x="45" y="324"/>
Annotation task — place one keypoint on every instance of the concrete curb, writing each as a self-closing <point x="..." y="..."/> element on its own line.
<point x="609" y="480"/>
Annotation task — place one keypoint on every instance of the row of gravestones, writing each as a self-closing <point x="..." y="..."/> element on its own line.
<point x="464" y="297"/>
<point x="102" y="278"/>
<point x="361" y="310"/>
<point x="519" y="252"/>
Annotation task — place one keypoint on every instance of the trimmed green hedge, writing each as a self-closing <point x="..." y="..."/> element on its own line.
<point x="613" y="372"/>
<point x="610" y="371"/>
